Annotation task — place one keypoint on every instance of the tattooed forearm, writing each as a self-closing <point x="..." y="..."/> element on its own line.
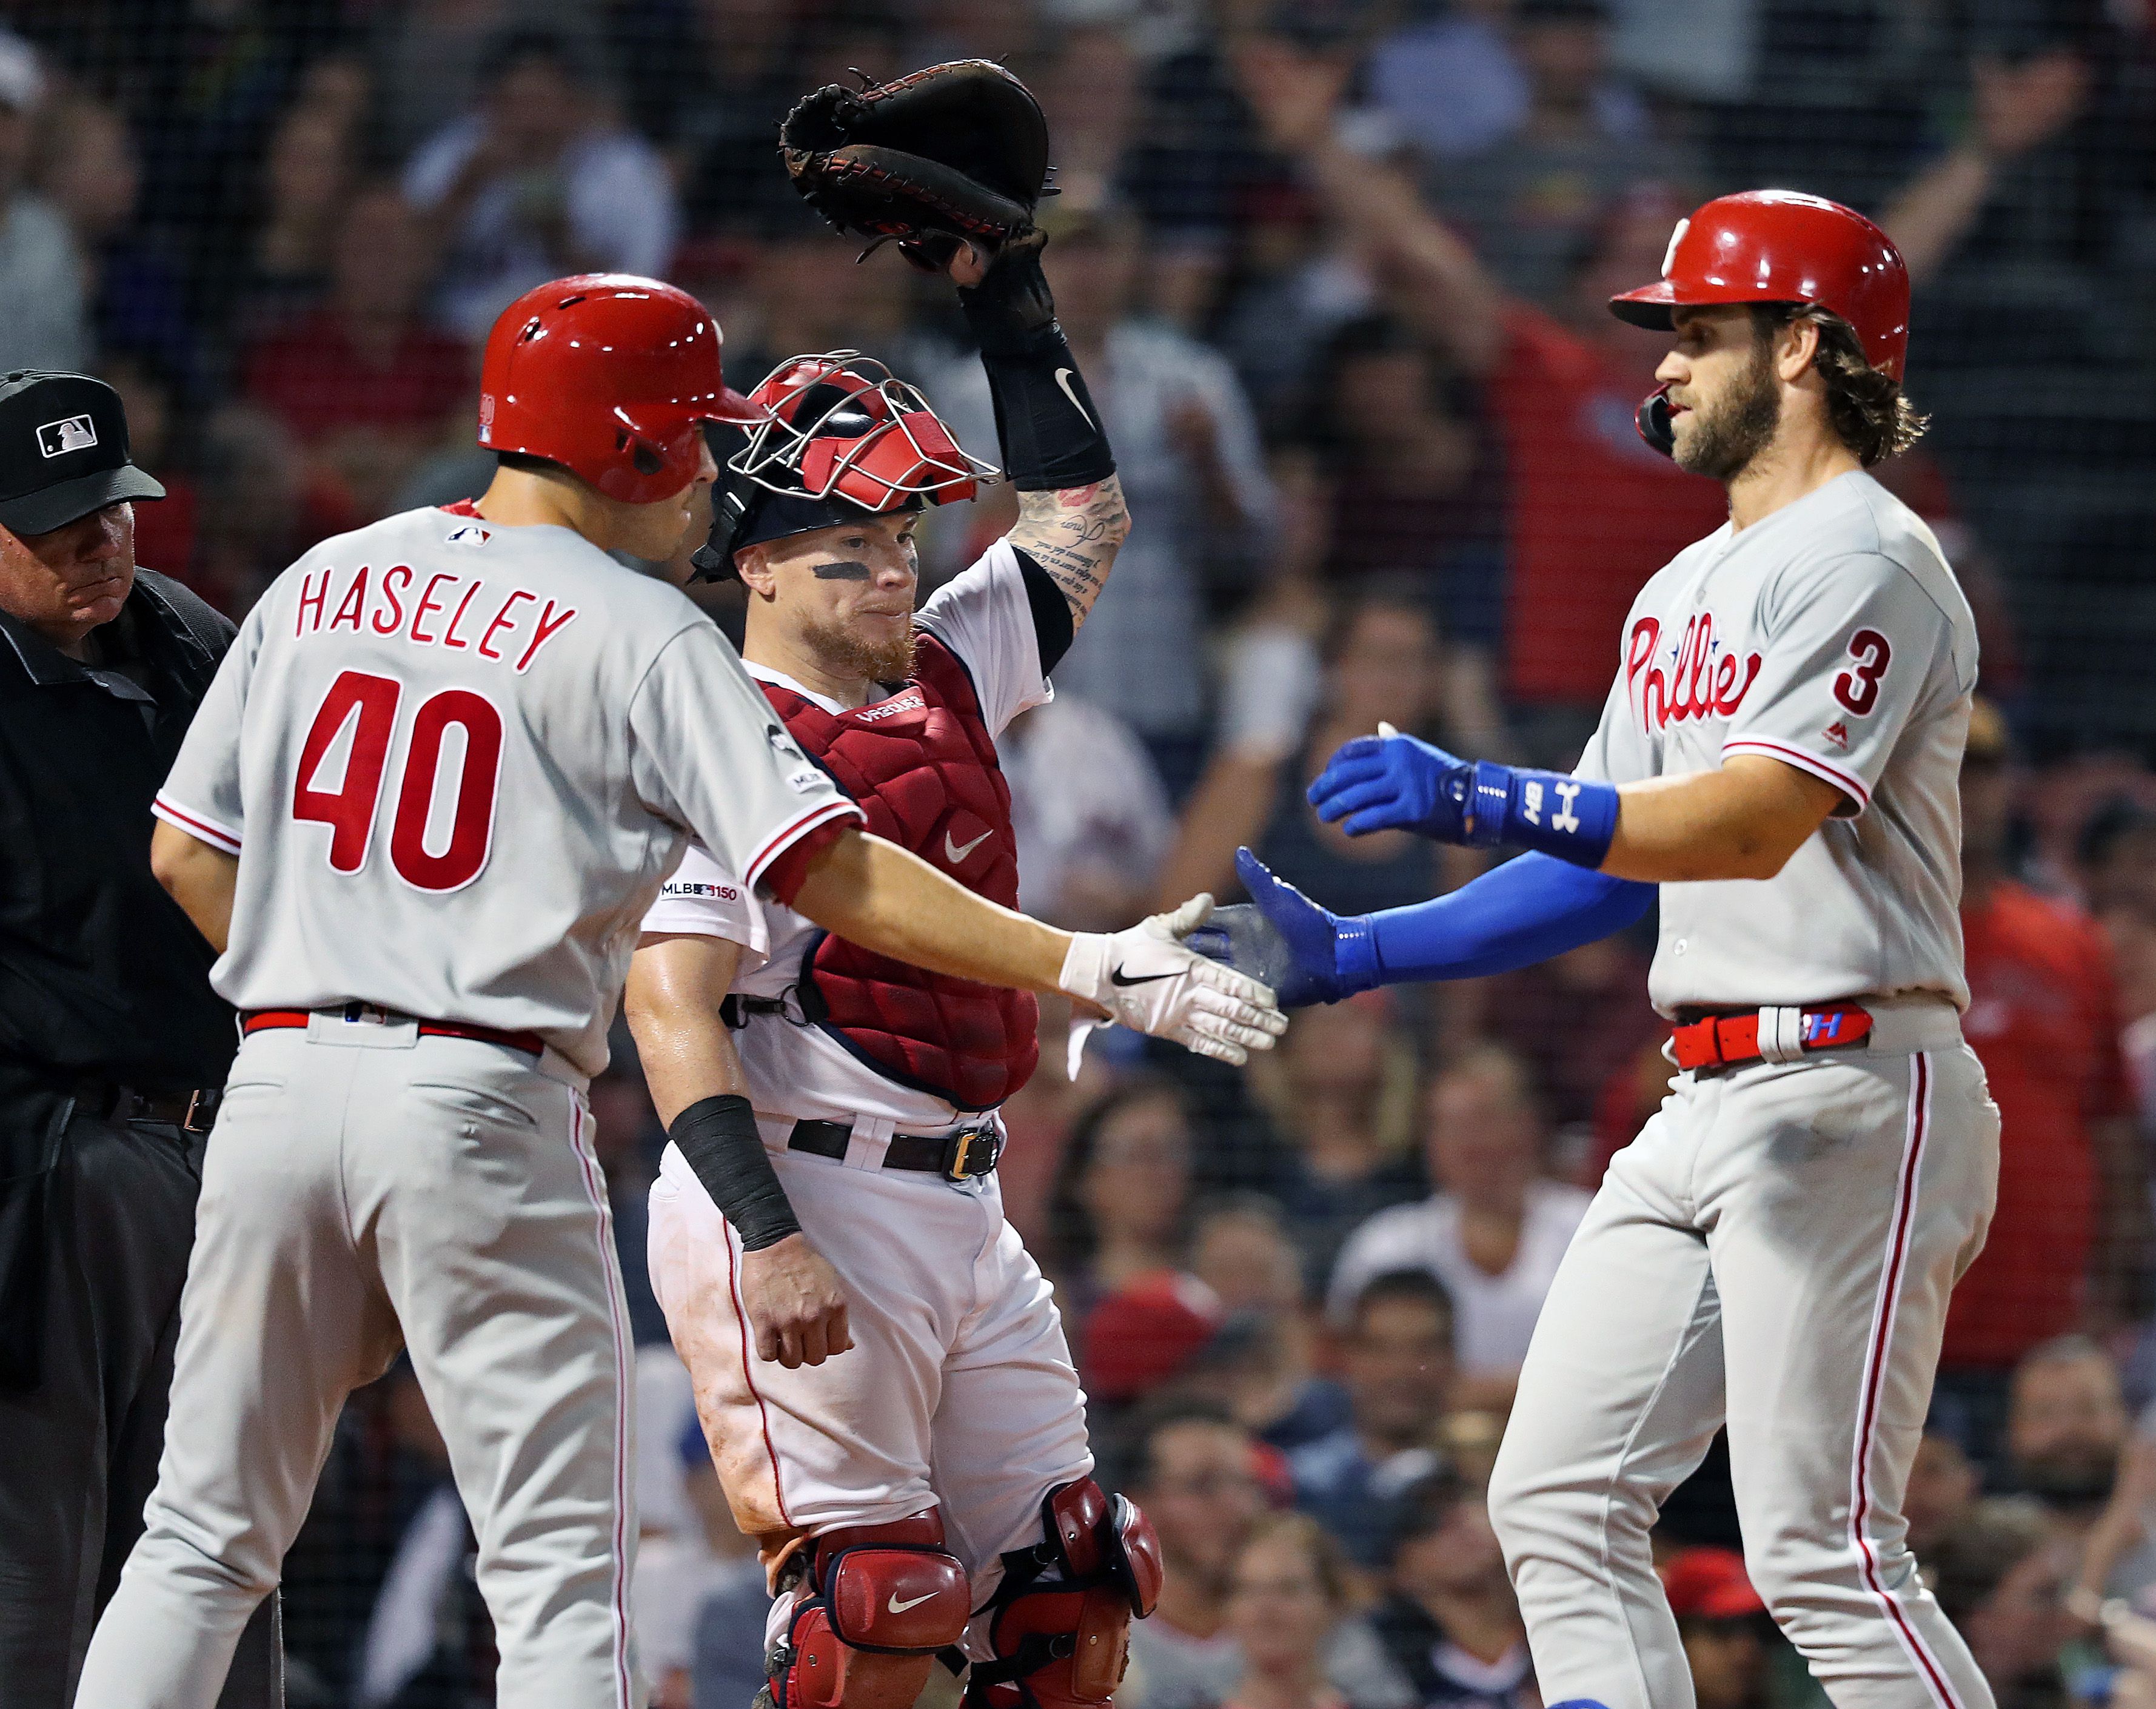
<point x="1073" y="535"/>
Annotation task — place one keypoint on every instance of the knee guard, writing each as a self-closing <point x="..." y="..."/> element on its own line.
<point x="1059" y="1623"/>
<point x="873" y="1603"/>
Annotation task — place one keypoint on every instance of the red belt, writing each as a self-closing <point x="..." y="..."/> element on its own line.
<point x="270" y="1020"/>
<point x="1717" y="1040"/>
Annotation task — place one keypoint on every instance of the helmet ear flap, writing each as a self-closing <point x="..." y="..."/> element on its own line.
<point x="1653" y="421"/>
<point x="733" y="507"/>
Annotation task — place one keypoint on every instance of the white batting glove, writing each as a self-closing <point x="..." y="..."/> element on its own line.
<point x="1145" y="978"/>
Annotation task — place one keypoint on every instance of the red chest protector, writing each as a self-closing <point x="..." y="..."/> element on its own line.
<point x="923" y="768"/>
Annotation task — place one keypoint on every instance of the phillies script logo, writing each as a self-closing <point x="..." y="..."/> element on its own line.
<point x="1696" y="677"/>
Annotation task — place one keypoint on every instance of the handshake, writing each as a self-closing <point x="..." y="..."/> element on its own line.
<point x="1391" y="782"/>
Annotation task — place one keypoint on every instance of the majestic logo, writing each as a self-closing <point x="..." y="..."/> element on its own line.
<point x="1837" y="733"/>
<point x="955" y="853"/>
<point x="804" y="778"/>
<point x="1696" y="677"/>
<point x="77" y="433"/>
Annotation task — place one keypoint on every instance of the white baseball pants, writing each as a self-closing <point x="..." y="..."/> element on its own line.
<point x="958" y="1393"/>
<point x="365" y="1186"/>
<point x="1774" y="1252"/>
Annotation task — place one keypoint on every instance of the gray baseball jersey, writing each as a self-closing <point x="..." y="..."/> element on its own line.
<point x="1832" y="636"/>
<point x="457" y="760"/>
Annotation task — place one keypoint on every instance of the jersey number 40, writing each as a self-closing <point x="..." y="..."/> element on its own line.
<point x="368" y="705"/>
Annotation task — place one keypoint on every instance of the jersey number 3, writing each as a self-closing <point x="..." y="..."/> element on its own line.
<point x="367" y="705"/>
<point x="1858" y="687"/>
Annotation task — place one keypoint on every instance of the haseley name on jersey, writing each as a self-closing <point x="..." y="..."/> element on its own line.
<point x="378" y="603"/>
<point x="488" y="751"/>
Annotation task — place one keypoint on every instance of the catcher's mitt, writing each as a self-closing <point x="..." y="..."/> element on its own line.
<point x="956" y="151"/>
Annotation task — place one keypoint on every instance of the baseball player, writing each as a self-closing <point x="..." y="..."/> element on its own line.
<point x="1779" y="755"/>
<point x="880" y="1368"/>
<point x="431" y="793"/>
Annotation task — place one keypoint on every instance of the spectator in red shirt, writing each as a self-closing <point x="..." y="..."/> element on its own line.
<point x="364" y="384"/>
<point x="1592" y="512"/>
<point x="2071" y="1228"/>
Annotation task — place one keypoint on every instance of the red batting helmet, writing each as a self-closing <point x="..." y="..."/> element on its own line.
<point x="611" y="376"/>
<point x="1783" y="246"/>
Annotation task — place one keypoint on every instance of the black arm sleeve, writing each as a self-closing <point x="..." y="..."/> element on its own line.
<point x="719" y="1138"/>
<point x="1053" y="625"/>
<point x="1045" y="420"/>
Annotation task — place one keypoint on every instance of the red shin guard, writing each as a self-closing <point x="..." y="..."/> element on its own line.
<point x="1061" y="1619"/>
<point x="873" y="1606"/>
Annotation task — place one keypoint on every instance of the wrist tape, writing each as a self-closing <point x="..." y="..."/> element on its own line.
<point x="718" y="1136"/>
<point x="1046" y="422"/>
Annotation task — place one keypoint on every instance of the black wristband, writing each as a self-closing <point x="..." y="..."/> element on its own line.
<point x="1045" y="420"/>
<point x="719" y="1138"/>
<point x="1011" y="306"/>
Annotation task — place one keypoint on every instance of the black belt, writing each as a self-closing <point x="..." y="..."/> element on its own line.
<point x="965" y="1156"/>
<point x="191" y="1112"/>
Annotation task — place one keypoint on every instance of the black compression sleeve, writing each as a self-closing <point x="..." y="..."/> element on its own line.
<point x="1050" y="432"/>
<point x="719" y="1138"/>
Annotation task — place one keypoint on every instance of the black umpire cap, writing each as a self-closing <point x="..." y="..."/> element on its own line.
<point x="63" y="451"/>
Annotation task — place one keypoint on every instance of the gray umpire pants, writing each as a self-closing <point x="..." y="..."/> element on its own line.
<point x="102" y="1236"/>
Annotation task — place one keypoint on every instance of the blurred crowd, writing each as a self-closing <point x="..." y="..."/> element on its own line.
<point x="1335" y="271"/>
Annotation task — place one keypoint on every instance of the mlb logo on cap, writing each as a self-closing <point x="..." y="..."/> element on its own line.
<point x="81" y="462"/>
<point x="72" y="433"/>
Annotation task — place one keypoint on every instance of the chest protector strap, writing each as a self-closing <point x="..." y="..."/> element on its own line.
<point x="922" y="767"/>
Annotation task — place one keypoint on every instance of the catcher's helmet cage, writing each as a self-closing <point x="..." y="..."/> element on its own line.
<point x="841" y="438"/>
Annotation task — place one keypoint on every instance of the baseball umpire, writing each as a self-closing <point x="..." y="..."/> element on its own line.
<point x="1779" y="754"/>
<point x="111" y="1041"/>
<point x="880" y="1368"/>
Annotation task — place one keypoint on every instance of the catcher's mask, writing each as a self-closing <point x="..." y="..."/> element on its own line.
<point x="842" y="439"/>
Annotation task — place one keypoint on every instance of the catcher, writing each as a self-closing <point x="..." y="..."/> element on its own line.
<point x="880" y="1368"/>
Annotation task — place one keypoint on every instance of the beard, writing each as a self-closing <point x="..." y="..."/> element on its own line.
<point x="2074" y="1477"/>
<point x="878" y="661"/>
<point x="1723" y="442"/>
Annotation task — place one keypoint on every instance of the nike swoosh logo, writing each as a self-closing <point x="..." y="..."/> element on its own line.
<point x="1119" y="977"/>
<point x="1063" y="379"/>
<point x="895" y="1606"/>
<point x="955" y="853"/>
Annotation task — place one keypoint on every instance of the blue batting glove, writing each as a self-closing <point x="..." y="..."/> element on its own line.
<point x="1306" y="954"/>
<point x="1389" y="782"/>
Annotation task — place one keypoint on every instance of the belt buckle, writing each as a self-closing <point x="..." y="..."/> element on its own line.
<point x="959" y="1161"/>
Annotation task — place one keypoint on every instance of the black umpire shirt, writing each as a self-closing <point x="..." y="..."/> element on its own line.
<point x="101" y="975"/>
